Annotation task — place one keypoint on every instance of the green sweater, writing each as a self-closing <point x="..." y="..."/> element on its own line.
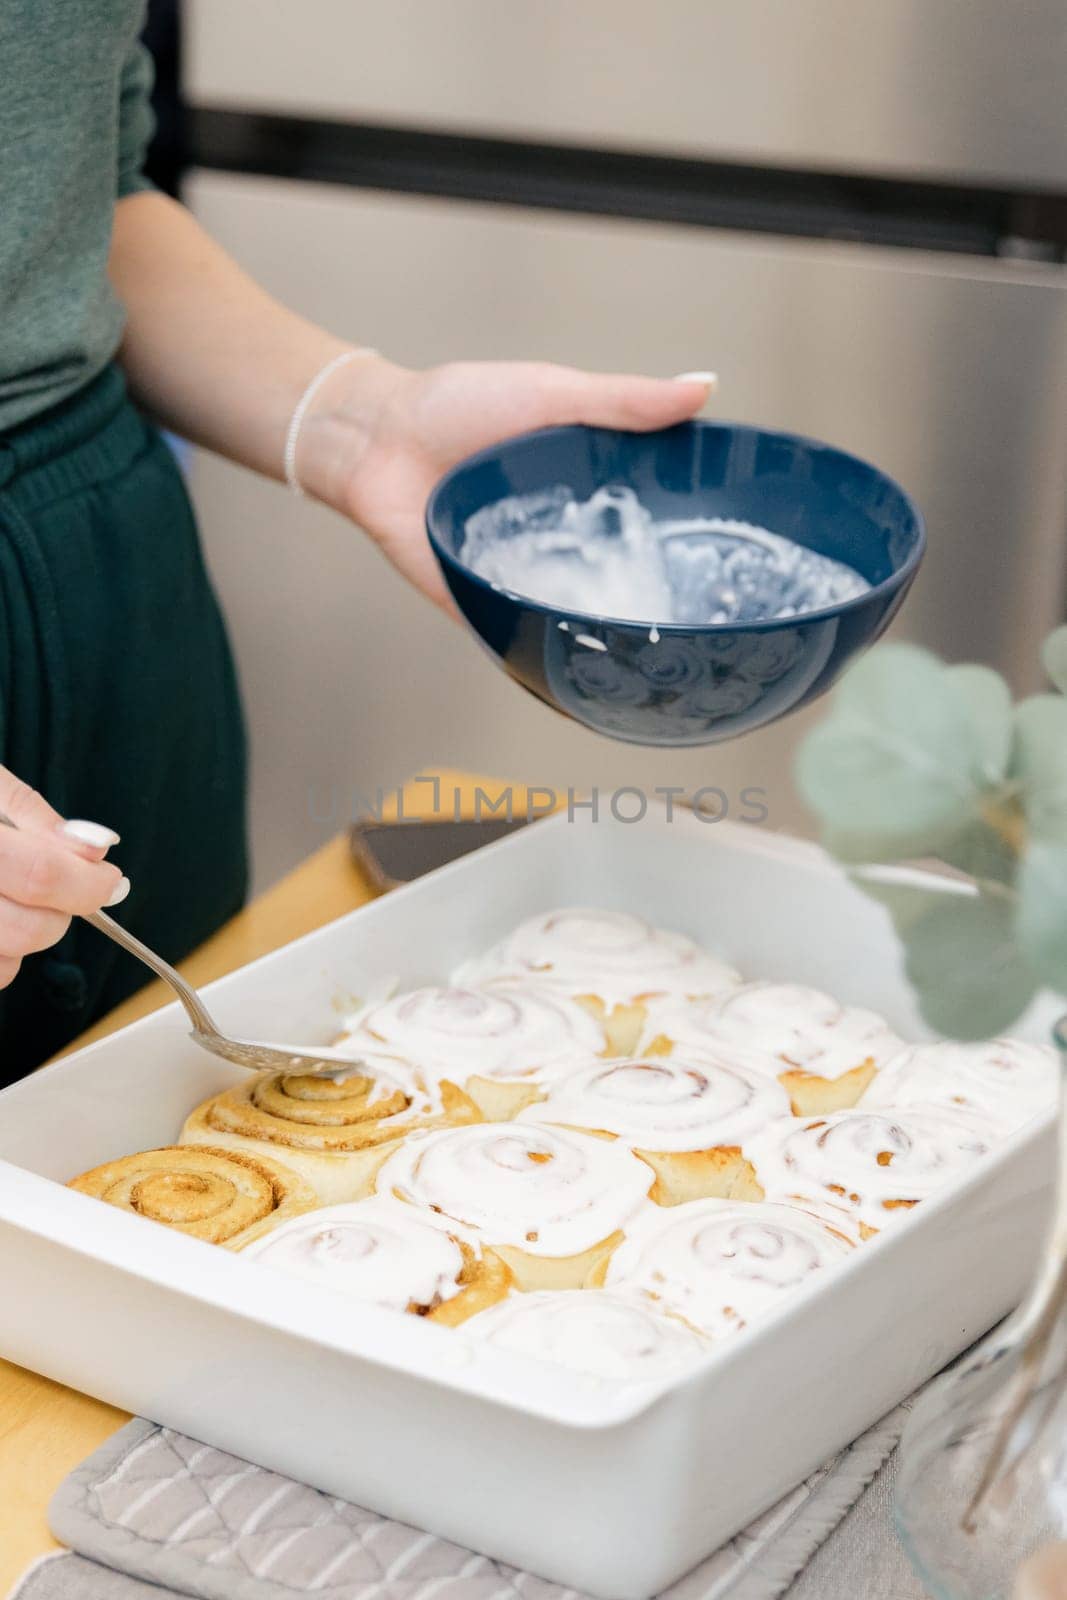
<point x="74" y="124"/>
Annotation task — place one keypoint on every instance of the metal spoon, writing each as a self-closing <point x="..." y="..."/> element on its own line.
<point x="205" y="1032"/>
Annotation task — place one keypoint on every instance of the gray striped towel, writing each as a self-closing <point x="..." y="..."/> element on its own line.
<point x="153" y="1514"/>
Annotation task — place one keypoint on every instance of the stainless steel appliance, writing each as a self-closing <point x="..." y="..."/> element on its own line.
<point x="855" y="210"/>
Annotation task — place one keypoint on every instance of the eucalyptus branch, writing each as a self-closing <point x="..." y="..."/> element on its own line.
<point x="922" y="760"/>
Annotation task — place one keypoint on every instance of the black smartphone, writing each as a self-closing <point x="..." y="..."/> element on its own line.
<point x="396" y="852"/>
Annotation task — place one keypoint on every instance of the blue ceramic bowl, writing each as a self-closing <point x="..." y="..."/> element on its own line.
<point x="683" y="684"/>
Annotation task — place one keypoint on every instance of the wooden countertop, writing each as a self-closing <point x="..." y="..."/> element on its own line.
<point x="46" y="1429"/>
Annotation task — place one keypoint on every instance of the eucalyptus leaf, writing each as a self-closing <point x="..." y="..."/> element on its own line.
<point x="1039" y="765"/>
<point x="975" y="849"/>
<point x="1054" y="657"/>
<point x="960" y="956"/>
<point x="856" y="847"/>
<point x="1041" y="918"/>
<point x="986" y="701"/>
<point x="981" y="852"/>
<point x="903" y="755"/>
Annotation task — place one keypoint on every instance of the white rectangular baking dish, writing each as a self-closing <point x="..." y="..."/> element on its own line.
<point x="611" y="1490"/>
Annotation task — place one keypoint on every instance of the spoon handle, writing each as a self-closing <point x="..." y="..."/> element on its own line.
<point x="197" y="1012"/>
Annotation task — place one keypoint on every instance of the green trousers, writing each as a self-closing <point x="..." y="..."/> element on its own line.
<point x="118" y="699"/>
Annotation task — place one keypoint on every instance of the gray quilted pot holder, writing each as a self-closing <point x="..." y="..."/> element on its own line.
<point x="153" y="1513"/>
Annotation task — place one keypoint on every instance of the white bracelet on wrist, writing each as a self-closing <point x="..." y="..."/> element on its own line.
<point x="300" y="411"/>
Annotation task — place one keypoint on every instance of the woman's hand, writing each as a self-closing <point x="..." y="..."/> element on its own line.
<point x="213" y="357"/>
<point x="379" y="437"/>
<point x="49" y="870"/>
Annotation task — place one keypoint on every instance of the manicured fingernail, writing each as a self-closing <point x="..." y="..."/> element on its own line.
<point x="710" y="378"/>
<point x="119" y="892"/>
<point x="93" y="834"/>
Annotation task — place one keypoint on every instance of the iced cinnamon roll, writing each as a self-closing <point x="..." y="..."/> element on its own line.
<point x="1003" y="1081"/>
<point x="334" y="1131"/>
<point x="502" y="1042"/>
<point x="379" y="1251"/>
<point x="607" y="1333"/>
<point x="718" y="1264"/>
<point x="825" y="1054"/>
<point x="549" y="1201"/>
<point x="873" y="1164"/>
<point x="688" y="1117"/>
<point x="226" y="1197"/>
<point x="612" y="961"/>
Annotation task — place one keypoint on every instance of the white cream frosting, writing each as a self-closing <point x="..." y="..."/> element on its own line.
<point x="799" y="1027"/>
<point x="720" y="1263"/>
<point x="866" y="1161"/>
<point x="666" y="1103"/>
<point x="607" y="1333"/>
<point x="505" y="1031"/>
<point x="607" y="953"/>
<point x="374" y="1249"/>
<point x="387" y="1072"/>
<point x="548" y="1191"/>
<point x="1003" y="1080"/>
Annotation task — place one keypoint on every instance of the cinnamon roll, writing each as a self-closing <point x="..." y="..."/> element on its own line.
<point x="385" y="1253"/>
<point x="501" y="1042"/>
<point x="718" y="1264"/>
<point x="227" y="1197"/>
<point x="334" y="1130"/>
<point x="612" y="961"/>
<point x="549" y="1201"/>
<point x="874" y="1164"/>
<point x="825" y="1054"/>
<point x="687" y="1117"/>
<point x="604" y="1332"/>
<point x="1003" y="1081"/>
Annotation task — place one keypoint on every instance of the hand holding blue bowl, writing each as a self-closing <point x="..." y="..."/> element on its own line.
<point x="658" y="682"/>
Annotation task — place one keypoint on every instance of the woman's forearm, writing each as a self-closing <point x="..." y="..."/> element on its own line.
<point x="209" y="352"/>
<point x="214" y="357"/>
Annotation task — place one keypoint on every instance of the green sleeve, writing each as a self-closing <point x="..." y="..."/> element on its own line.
<point x="136" y="121"/>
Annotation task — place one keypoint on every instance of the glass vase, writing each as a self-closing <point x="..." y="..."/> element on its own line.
<point x="981" y="1499"/>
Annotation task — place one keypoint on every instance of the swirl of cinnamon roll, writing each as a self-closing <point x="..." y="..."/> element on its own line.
<point x="507" y="1031"/>
<point x="387" y="1254"/>
<point x="666" y="1103"/>
<point x="719" y="1264"/>
<point x="332" y="1128"/>
<point x="605" y="679"/>
<point x="814" y="1042"/>
<point x="872" y="1163"/>
<point x="539" y="1191"/>
<point x="610" y="954"/>
<point x="607" y="1333"/>
<point x="225" y="1197"/>
<point x="671" y="663"/>
<point x="1003" y="1081"/>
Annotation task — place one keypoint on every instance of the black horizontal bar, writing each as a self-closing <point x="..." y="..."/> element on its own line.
<point x="976" y="220"/>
